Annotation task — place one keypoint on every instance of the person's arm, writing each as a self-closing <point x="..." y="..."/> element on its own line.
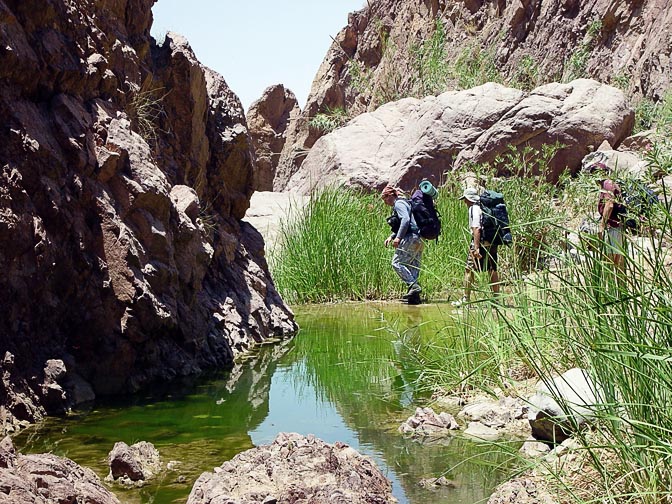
<point x="606" y="213"/>
<point x="608" y="199"/>
<point x="474" y="223"/>
<point x="476" y="231"/>
<point x="403" y="210"/>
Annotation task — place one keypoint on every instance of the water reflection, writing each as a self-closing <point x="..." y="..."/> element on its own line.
<point x="346" y="377"/>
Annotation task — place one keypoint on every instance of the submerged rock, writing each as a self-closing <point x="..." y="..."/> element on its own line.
<point x="138" y="462"/>
<point x="295" y="468"/>
<point x="424" y="422"/>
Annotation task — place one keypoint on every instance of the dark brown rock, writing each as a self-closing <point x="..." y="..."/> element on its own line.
<point x="106" y="266"/>
<point x="138" y="462"/>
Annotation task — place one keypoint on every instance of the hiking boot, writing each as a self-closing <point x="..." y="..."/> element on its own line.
<point x="413" y="290"/>
<point x="459" y="302"/>
<point x="414" y="299"/>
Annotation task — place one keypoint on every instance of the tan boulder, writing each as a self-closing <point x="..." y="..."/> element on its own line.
<point x="405" y="141"/>
<point x="295" y="468"/>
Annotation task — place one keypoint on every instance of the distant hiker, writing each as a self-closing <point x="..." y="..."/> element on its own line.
<point x="405" y="238"/>
<point x="482" y="255"/>
<point x="612" y="213"/>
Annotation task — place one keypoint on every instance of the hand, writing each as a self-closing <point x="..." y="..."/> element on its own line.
<point x="387" y="241"/>
<point x="395" y="243"/>
<point x="476" y="253"/>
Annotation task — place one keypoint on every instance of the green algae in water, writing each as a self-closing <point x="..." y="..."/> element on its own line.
<point x="345" y="377"/>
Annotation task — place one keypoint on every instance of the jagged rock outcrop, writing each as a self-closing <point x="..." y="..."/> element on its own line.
<point x="295" y="468"/>
<point x="46" y="478"/>
<point x="136" y="463"/>
<point x="372" y="59"/>
<point x="267" y="119"/>
<point x="405" y="141"/>
<point x="125" y="168"/>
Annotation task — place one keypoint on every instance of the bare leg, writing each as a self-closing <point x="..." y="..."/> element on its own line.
<point x="619" y="268"/>
<point x="494" y="282"/>
<point x="468" y="281"/>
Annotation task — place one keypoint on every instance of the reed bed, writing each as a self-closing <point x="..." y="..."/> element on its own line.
<point x="580" y="312"/>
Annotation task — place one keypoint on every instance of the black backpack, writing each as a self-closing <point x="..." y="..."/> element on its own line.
<point x="426" y="216"/>
<point x="638" y="202"/>
<point x="494" y="219"/>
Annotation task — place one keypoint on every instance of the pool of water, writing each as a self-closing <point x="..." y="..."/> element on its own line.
<point x="347" y="376"/>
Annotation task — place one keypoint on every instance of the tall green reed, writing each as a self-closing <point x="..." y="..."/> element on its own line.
<point x="333" y="250"/>
<point x="580" y="311"/>
<point x="619" y="327"/>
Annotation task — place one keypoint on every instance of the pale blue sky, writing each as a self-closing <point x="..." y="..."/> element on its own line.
<point x="256" y="43"/>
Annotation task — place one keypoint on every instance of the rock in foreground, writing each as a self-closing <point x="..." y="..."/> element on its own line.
<point x="297" y="469"/>
<point x="46" y="479"/>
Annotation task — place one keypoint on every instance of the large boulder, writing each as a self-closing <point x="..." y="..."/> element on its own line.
<point x="268" y="119"/>
<point x="404" y="141"/>
<point x="295" y="468"/>
<point x="46" y="478"/>
<point x="563" y="404"/>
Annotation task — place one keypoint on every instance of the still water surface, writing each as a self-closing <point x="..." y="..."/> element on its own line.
<point x="346" y="377"/>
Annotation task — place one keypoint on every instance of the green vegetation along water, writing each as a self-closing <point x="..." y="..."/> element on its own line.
<point x="345" y="377"/>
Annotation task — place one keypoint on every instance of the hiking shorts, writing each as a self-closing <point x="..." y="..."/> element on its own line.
<point x="614" y="239"/>
<point x="487" y="262"/>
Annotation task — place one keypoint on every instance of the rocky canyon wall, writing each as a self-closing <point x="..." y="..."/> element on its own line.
<point x="125" y="168"/>
<point x="375" y="57"/>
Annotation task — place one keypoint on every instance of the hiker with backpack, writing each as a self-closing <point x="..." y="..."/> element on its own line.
<point x="482" y="254"/>
<point x="406" y="240"/>
<point x="612" y="213"/>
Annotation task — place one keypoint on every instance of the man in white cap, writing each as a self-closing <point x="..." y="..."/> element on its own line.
<point x="482" y="256"/>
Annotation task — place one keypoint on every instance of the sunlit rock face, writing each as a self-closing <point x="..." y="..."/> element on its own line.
<point x="268" y="118"/>
<point x="295" y="468"/>
<point x="125" y="168"/>
<point x="46" y="478"/>
<point x="372" y="59"/>
<point x="405" y="141"/>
